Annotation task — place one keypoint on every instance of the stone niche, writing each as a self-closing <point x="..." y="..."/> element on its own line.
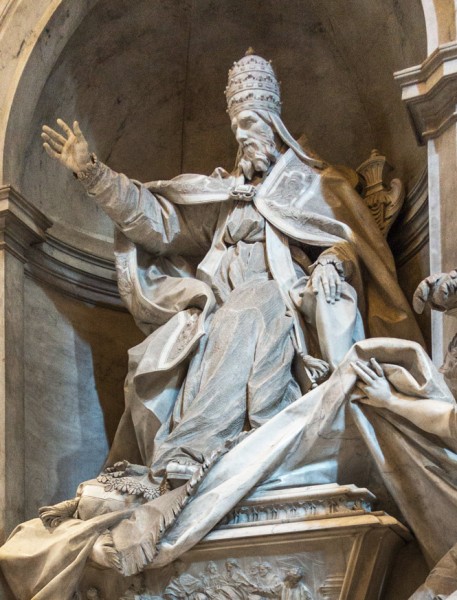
<point x="146" y="80"/>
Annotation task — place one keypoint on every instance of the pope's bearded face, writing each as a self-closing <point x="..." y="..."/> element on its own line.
<point x="257" y="143"/>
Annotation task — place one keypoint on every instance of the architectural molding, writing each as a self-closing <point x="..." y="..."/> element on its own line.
<point x="429" y="91"/>
<point x="76" y="273"/>
<point x="21" y="224"/>
<point x="26" y="233"/>
<point x="299" y="504"/>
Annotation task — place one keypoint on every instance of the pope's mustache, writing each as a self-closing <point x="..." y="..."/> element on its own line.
<point x="257" y="155"/>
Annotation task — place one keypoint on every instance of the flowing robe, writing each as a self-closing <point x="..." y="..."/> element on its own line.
<point x="186" y="250"/>
<point x="322" y="437"/>
<point x="169" y="254"/>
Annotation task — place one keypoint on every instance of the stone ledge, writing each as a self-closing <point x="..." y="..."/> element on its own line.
<point x="21" y="224"/>
<point x="25" y="233"/>
<point x="299" y="504"/>
<point x="74" y="272"/>
<point x="429" y="91"/>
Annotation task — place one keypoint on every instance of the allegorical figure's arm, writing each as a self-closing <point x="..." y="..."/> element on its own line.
<point x="439" y="291"/>
<point x="432" y="416"/>
<point x="149" y="220"/>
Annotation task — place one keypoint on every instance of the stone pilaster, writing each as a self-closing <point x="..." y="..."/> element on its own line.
<point x="429" y="92"/>
<point x="21" y="225"/>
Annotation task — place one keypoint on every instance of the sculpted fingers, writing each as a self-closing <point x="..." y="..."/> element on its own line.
<point x="420" y="297"/>
<point x="326" y="286"/>
<point x="79" y="134"/>
<point x="435" y="289"/>
<point x="72" y="151"/>
<point x="315" y="281"/>
<point x="363" y="372"/>
<point x="56" y="145"/>
<point x="327" y="277"/>
<point x="339" y="287"/>
<point x="441" y="294"/>
<point x="77" y="129"/>
<point x="65" y="127"/>
<point x="57" y="137"/>
<point x="330" y="276"/>
<point x="52" y="153"/>
<point x="377" y="367"/>
<point x="445" y="295"/>
<point x="316" y="367"/>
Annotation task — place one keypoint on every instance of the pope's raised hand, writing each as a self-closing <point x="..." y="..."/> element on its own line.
<point x="70" y="147"/>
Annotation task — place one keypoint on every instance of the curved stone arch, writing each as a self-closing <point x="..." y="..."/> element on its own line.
<point x="440" y="22"/>
<point x="33" y="34"/>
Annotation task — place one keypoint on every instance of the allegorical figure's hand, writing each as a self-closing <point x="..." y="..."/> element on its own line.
<point x="372" y="383"/>
<point x="440" y="291"/>
<point x="70" y="149"/>
<point x="328" y="277"/>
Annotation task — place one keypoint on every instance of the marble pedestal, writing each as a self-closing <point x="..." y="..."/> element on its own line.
<point x="327" y="536"/>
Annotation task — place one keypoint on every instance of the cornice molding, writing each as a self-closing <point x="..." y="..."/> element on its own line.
<point x="76" y="273"/>
<point x="429" y="92"/>
<point x="21" y="224"/>
<point x="27" y="234"/>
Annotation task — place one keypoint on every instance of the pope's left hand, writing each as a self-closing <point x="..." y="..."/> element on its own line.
<point x="326" y="277"/>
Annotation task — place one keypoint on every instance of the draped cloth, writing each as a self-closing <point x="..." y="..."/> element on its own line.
<point x="173" y="305"/>
<point x="322" y="437"/>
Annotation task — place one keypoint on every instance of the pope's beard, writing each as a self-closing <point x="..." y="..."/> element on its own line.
<point x="257" y="156"/>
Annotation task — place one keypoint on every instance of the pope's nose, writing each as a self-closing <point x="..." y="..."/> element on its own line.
<point x="241" y="135"/>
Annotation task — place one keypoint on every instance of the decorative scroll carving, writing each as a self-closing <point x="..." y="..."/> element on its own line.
<point x="384" y="201"/>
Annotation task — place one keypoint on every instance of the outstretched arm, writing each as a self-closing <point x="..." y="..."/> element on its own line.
<point x="432" y="416"/>
<point x="149" y="220"/>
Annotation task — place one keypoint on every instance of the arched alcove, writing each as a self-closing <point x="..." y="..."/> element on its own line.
<point x="146" y="82"/>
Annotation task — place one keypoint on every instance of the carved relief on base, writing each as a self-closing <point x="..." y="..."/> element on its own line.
<point x="342" y="552"/>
